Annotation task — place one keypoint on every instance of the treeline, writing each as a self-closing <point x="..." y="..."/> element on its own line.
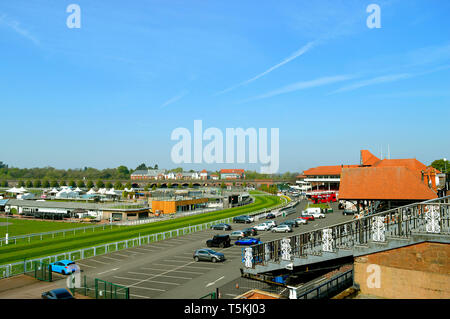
<point x="50" y="173"/>
<point x="37" y="183"/>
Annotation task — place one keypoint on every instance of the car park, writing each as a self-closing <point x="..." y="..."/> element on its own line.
<point x="248" y="241"/>
<point x="208" y="255"/>
<point x="221" y="226"/>
<point x="219" y="241"/>
<point x="282" y="229"/>
<point x="237" y="234"/>
<point x="270" y="216"/>
<point x="307" y="217"/>
<point x="271" y="223"/>
<point x="300" y="221"/>
<point x="59" y="293"/>
<point x="251" y="231"/>
<point x="243" y="219"/>
<point x="262" y="226"/>
<point x="290" y="223"/>
<point x="64" y="267"/>
<point x="315" y="214"/>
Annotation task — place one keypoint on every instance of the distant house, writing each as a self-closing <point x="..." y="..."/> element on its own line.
<point x="148" y="174"/>
<point x="204" y="175"/>
<point x="214" y="177"/>
<point x="232" y="174"/>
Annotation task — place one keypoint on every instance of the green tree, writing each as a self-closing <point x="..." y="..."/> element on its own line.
<point x="190" y="185"/>
<point x="72" y="184"/>
<point x="141" y="167"/>
<point x="46" y="183"/>
<point x="154" y="187"/>
<point x="109" y="185"/>
<point x="223" y="185"/>
<point x="99" y="184"/>
<point x="21" y="183"/>
<point x="63" y="183"/>
<point x="54" y="184"/>
<point x="29" y="184"/>
<point x="37" y="183"/>
<point x="128" y="185"/>
<point x="123" y="172"/>
<point x="118" y="185"/>
<point x="81" y="184"/>
<point x="5" y="183"/>
<point x="90" y="184"/>
<point x="169" y="185"/>
<point x="441" y="165"/>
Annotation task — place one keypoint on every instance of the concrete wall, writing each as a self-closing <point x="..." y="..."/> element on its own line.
<point x="420" y="271"/>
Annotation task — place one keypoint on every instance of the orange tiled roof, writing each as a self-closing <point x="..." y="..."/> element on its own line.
<point x="232" y="170"/>
<point x="327" y="170"/>
<point x="368" y="159"/>
<point x="410" y="163"/>
<point x="383" y="183"/>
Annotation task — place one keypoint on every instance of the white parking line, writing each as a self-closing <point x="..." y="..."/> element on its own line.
<point x="98" y="261"/>
<point x="84" y="265"/>
<point x="104" y="272"/>
<point x="148" y="250"/>
<point x="182" y="271"/>
<point x="122" y="255"/>
<point x="133" y="295"/>
<point x="182" y="266"/>
<point x="146" y="274"/>
<point x="148" y="280"/>
<point x="115" y="259"/>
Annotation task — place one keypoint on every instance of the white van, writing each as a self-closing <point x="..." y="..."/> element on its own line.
<point x="314" y="211"/>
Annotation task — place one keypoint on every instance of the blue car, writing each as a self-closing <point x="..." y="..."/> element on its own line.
<point x="64" y="267"/>
<point x="248" y="241"/>
<point x="60" y="293"/>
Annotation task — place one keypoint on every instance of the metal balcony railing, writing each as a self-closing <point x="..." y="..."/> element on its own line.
<point x="432" y="216"/>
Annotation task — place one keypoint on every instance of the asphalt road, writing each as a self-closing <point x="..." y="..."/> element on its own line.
<point x="166" y="269"/>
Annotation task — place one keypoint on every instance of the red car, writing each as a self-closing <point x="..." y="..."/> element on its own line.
<point x="306" y="217"/>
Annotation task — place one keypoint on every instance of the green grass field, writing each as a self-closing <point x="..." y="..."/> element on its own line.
<point x="19" y="227"/>
<point x="46" y="247"/>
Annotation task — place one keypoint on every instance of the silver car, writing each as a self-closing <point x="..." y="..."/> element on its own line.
<point x="282" y="229"/>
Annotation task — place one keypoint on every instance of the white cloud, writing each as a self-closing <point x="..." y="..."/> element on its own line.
<point x="293" y="56"/>
<point x="15" y="25"/>
<point x="175" y="98"/>
<point x="303" y="85"/>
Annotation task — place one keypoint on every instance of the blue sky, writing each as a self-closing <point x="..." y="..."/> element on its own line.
<point x="111" y="92"/>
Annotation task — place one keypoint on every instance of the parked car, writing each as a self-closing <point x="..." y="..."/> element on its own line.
<point x="209" y="255"/>
<point x="263" y="226"/>
<point x="290" y="223"/>
<point x="300" y="221"/>
<point x="270" y="216"/>
<point x="248" y="241"/>
<point x="348" y="212"/>
<point x="271" y="223"/>
<point x="59" y="293"/>
<point x="219" y="241"/>
<point x="64" y="267"/>
<point x="243" y="219"/>
<point x="251" y="231"/>
<point x="315" y="214"/>
<point x="221" y="226"/>
<point x="307" y="217"/>
<point x="282" y="229"/>
<point x="237" y="234"/>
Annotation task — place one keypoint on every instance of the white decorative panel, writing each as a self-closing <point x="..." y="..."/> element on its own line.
<point x="378" y="228"/>
<point x="248" y="256"/>
<point x="327" y="240"/>
<point x="286" y="249"/>
<point x="433" y="218"/>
